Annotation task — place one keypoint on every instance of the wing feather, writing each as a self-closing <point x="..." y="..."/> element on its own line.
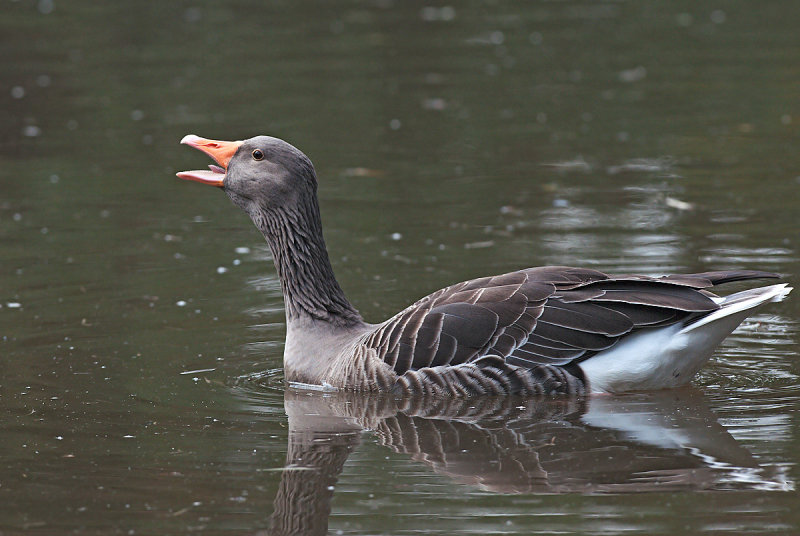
<point x="552" y="315"/>
<point x="472" y="326"/>
<point x="580" y="339"/>
<point x="586" y="316"/>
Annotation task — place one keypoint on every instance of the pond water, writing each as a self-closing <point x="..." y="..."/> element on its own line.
<point x="141" y="323"/>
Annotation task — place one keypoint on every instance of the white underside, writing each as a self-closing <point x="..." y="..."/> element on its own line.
<point x="670" y="356"/>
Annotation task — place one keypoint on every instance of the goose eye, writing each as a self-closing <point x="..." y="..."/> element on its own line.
<point x="258" y="155"/>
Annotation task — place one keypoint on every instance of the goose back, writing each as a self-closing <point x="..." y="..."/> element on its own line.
<point x="527" y="331"/>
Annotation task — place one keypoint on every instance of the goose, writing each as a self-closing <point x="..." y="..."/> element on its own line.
<point x="552" y="330"/>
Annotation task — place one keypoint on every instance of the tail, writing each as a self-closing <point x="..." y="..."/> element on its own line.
<point x="670" y="356"/>
<point x="735" y="308"/>
<point x="729" y="276"/>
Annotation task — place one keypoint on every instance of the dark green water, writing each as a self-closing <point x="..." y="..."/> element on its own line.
<point x="451" y="142"/>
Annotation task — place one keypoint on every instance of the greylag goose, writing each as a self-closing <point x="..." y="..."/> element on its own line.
<point x="536" y="331"/>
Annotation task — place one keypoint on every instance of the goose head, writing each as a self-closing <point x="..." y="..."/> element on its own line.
<point x="260" y="174"/>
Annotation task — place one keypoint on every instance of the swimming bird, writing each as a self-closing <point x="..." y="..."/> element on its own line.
<point x="551" y="330"/>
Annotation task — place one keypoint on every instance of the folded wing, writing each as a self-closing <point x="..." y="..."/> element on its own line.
<point x="540" y="316"/>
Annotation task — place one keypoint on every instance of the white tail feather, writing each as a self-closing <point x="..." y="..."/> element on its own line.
<point x="743" y="302"/>
<point x="670" y="356"/>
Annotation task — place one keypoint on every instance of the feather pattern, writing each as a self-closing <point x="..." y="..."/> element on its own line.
<point x="526" y="331"/>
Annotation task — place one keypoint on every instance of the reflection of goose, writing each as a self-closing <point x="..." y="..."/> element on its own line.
<point x="534" y="331"/>
<point x="665" y="441"/>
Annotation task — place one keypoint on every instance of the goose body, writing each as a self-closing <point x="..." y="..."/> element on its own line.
<point x="538" y="331"/>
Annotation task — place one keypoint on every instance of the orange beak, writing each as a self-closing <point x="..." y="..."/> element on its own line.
<point x="220" y="151"/>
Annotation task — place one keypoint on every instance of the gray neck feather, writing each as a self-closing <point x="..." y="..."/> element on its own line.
<point x="310" y="289"/>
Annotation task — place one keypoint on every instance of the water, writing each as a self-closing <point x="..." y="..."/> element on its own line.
<point x="141" y="323"/>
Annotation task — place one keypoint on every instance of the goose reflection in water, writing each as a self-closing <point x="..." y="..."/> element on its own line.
<point x="663" y="441"/>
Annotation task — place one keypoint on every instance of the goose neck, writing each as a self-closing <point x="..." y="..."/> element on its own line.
<point x="310" y="288"/>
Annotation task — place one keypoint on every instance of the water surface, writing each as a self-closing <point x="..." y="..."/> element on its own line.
<point x="141" y="324"/>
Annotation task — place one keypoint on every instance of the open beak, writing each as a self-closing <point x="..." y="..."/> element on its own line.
<point x="220" y="151"/>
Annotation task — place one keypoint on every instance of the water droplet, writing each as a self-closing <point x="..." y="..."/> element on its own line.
<point x="17" y="92"/>
<point x="684" y="19"/>
<point x="437" y="104"/>
<point x="46" y="7"/>
<point x="718" y="16"/>
<point x="395" y="124"/>
<point x="432" y="13"/>
<point x="192" y="14"/>
<point x="633" y="75"/>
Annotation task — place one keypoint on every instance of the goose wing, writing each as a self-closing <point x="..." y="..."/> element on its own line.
<point x="551" y="315"/>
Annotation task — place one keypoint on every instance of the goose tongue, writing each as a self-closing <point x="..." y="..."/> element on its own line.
<point x="220" y="151"/>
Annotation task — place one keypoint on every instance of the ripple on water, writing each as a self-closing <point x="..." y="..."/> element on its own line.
<point x="757" y="358"/>
<point x="271" y="380"/>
